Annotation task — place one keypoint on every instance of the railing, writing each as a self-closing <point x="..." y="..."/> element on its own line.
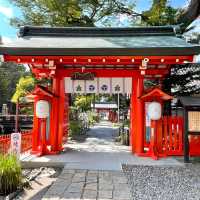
<point x="172" y="133"/>
<point x="171" y="128"/>
<point x="4" y="144"/>
<point x="26" y="142"/>
<point x="168" y="140"/>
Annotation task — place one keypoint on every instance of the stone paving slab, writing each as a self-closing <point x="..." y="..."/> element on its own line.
<point x="89" y="185"/>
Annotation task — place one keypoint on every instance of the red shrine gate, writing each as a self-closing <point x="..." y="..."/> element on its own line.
<point x="60" y="53"/>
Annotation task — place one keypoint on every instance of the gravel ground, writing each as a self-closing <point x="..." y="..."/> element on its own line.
<point x="166" y="183"/>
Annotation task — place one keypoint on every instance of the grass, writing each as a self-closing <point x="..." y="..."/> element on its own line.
<point x="10" y="174"/>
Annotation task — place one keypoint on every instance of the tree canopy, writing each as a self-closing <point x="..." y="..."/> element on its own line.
<point x="25" y="85"/>
<point x="70" y="12"/>
<point x="9" y="76"/>
<point x="160" y="14"/>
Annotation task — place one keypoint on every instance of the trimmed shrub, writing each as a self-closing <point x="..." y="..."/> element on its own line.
<point x="10" y="174"/>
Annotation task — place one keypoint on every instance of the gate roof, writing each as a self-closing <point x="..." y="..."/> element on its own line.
<point x="139" y="41"/>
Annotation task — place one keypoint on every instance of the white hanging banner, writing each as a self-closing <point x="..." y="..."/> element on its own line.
<point x="105" y="85"/>
<point x="79" y="86"/>
<point x="92" y="86"/>
<point x="68" y="85"/>
<point x="99" y="85"/>
<point x="128" y="85"/>
<point x="117" y="85"/>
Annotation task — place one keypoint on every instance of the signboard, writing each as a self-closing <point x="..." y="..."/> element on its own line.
<point x="82" y="76"/>
<point x="16" y="144"/>
<point x="99" y="85"/>
<point x="194" y="121"/>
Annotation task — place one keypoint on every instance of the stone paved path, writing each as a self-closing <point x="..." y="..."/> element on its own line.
<point x="89" y="185"/>
<point x="98" y="152"/>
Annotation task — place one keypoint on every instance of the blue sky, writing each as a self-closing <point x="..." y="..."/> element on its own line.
<point x="7" y="11"/>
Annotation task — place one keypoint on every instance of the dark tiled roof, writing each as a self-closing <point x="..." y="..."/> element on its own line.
<point x="139" y="41"/>
<point x="189" y="101"/>
<point x="96" y="32"/>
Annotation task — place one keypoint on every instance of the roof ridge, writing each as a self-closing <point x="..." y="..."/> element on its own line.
<point x="96" y="32"/>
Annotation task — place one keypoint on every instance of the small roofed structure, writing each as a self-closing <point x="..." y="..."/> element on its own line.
<point x="156" y="93"/>
<point x="106" y="110"/>
<point x="189" y="102"/>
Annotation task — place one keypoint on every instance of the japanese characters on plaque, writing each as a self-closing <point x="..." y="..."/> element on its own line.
<point x="99" y="85"/>
<point x="16" y="144"/>
<point x="194" y="121"/>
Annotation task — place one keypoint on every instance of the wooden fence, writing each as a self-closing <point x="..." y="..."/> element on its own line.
<point x="171" y="129"/>
<point x="26" y="142"/>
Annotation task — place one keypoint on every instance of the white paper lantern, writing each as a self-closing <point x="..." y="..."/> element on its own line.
<point x="154" y="110"/>
<point x="42" y="109"/>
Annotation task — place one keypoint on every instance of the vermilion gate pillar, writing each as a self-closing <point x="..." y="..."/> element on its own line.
<point x="137" y="116"/>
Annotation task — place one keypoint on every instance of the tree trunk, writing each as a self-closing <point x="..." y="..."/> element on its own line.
<point x="192" y="11"/>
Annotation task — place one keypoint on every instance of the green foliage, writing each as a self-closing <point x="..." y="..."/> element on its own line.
<point x="25" y="85"/>
<point x="126" y="123"/>
<point x="160" y="14"/>
<point x="73" y="113"/>
<point x="27" y="110"/>
<point x="9" y="76"/>
<point x="75" y="128"/>
<point x="83" y="102"/>
<point x="92" y="118"/>
<point x="10" y="174"/>
<point x="71" y="12"/>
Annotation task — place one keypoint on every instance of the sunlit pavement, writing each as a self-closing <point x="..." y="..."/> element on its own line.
<point x="98" y="152"/>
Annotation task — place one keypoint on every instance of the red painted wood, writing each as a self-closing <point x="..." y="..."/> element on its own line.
<point x="96" y="60"/>
<point x="36" y="130"/>
<point x="170" y="134"/>
<point x="61" y="108"/>
<point x="159" y="137"/>
<point x="165" y="135"/>
<point x="173" y="126"/>
<point x="54" y="116"/>
<point x="102" y="72"/>
<point x="194" y="142"/>
<point x="26" y="142"/>
<point x="138" y="117"/>
<point x="131" y="138"/>
<point x="172" y="140"/>
<point x="66" y="118"/>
